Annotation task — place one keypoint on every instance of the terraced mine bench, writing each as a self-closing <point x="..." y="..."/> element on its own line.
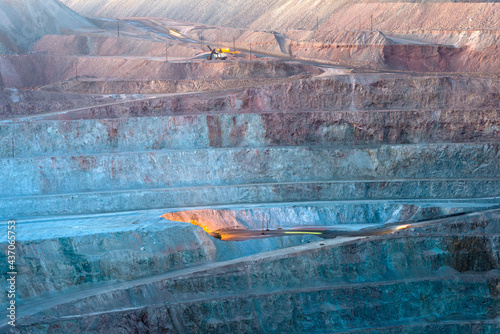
<point x="88" y="188"/>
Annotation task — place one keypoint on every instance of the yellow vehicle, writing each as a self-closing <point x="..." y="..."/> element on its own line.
<point x="175" y="32"/>
<point x="219" y="53"/>
<point x="227" y="50"/>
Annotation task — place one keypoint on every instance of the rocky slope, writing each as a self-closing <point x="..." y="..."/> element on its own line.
<point x="61" y="254"/>
<point x="222" y="13"/>
<point x="285" y="14"/>
<point x="24" y="22"/>
<point x="40" y="70"/>
<point x="241" y="146"/>
<point x="456" y="37"/>
<point x="106" y="46"/>
<point x="354" y="148"/>
<point x="445" y="278"/>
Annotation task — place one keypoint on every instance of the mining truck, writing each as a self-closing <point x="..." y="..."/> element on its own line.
<point x="217" y="53"/>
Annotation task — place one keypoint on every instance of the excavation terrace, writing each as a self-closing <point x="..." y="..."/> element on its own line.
<point x="330" y="177"/>
<point x="360" y="148"/>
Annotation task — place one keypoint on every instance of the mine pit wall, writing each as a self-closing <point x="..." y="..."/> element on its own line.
<point x="425" y="138"/>
<point x="440" y="59"/>
<point x="15" y="101"/>
<point x="477" y="39"/>
<point x="106" y="46"/>
<point x="403" y="57"/>
<point x="297" y="309"/>
<point x="415" y="15"/>
<point x="345" y="92"/>
<point x="39" y="70"/>
<point x="321" y="214"/>
<point x="42" y="70"/>
<point x="127" y="163"/>
<point x="459" y="254"/>
<point x="366" y="56"/>
<point x="87" y="137"/>
<point x="55" y="255"/>
<point x="273" y="193"/>
<point x="90" y="86"/>
<point x="256" y="131"/>
<point x="226" y="167"/>
<point x="48" y="265"/>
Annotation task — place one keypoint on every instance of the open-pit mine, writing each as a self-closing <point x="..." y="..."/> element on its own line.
<point x="238" y="166"/>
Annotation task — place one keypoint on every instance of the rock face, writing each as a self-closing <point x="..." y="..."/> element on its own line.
<point x="347" y="149"/>
<point x="58" y="255"/>
<point x="226" y="145"/>
<point x="116" y="194"/>
<point x="339" y="285"/>
<point x="24" y="22"/>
